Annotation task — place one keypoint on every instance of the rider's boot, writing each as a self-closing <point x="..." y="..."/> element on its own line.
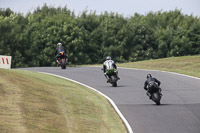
<point x="58" y="63"/>
<point x="149" y="94"/>
<point x="160" y="91"/>
<point x="108" y="80"/>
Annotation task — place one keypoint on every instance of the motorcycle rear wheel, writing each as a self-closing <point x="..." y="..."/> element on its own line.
<point x="158" y="103"/>
<point x="114" y="81"/>
<point x="63" y="66"/>
<point x="156" y="98"/>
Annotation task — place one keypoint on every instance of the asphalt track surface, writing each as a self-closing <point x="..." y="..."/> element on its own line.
<point x="179" y="111"/>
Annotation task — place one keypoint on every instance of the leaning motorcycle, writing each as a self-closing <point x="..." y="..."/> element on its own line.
<point x="112" y="74"/>
<point x="156" y="94"/>
<point x="62" y="58"/>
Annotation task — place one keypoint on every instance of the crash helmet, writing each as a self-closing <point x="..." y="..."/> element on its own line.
<point x="59" y="44"/>
<point x="149" y="76"/>
<point x="108" y="58"/>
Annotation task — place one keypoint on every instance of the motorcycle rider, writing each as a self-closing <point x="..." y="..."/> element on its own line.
<point x="59" y="49"/>
<point x="109" y="63"/>
<point x="151" y="83"/>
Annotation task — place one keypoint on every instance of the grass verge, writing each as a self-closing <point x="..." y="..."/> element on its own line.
<point x="189" y="65"/>
<point x="34" y="102"/>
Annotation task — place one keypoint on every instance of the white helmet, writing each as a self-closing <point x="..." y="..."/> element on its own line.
<point x="108" y="58"/>
<point x="59" y="44"/>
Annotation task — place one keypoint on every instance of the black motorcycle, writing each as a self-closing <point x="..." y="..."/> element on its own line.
<point x="62" y="58"/>
<point x="155" y="94"/>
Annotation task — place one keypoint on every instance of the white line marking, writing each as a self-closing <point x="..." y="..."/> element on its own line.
<point x="155" y="71"/>
<point x="129" y="129"/>
<point x="161" y="71"/>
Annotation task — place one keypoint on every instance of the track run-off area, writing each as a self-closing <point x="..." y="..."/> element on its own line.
<point x="179" y="111"/>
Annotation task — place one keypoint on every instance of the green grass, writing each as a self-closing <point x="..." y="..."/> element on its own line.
<point x="33" y="102"/>
<point x="189" y="65"/>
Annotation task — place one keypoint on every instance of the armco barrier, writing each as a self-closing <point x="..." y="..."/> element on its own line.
<point x="5" y="61"/>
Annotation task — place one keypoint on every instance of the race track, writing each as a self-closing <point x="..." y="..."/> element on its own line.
<point x="179" y="111"/>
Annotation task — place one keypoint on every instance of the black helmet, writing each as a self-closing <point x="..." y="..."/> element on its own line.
<point x="108" y="58"/>
<point x="149" y="76"/>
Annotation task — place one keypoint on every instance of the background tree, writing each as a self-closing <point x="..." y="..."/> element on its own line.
<point x="31" y="39"/>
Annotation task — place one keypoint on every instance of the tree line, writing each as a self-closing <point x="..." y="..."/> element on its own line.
<point x="88" y="38"/>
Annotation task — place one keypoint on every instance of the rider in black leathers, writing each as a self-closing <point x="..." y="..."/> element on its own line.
<point x="59" y="49"/>
<point x="151" y="83"/>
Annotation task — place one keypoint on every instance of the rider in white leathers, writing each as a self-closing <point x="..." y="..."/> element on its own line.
<point x="107" y="65"/>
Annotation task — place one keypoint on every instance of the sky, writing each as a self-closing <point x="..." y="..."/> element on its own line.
<point x="125" y="7"/>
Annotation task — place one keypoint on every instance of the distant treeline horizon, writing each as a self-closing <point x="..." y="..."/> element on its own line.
<point x="88" y="38"/>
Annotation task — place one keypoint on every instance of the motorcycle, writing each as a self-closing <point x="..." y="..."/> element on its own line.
<point x="112" y="74"/>
<point x="155" y="95"/>
<point x="62" y="58"/>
